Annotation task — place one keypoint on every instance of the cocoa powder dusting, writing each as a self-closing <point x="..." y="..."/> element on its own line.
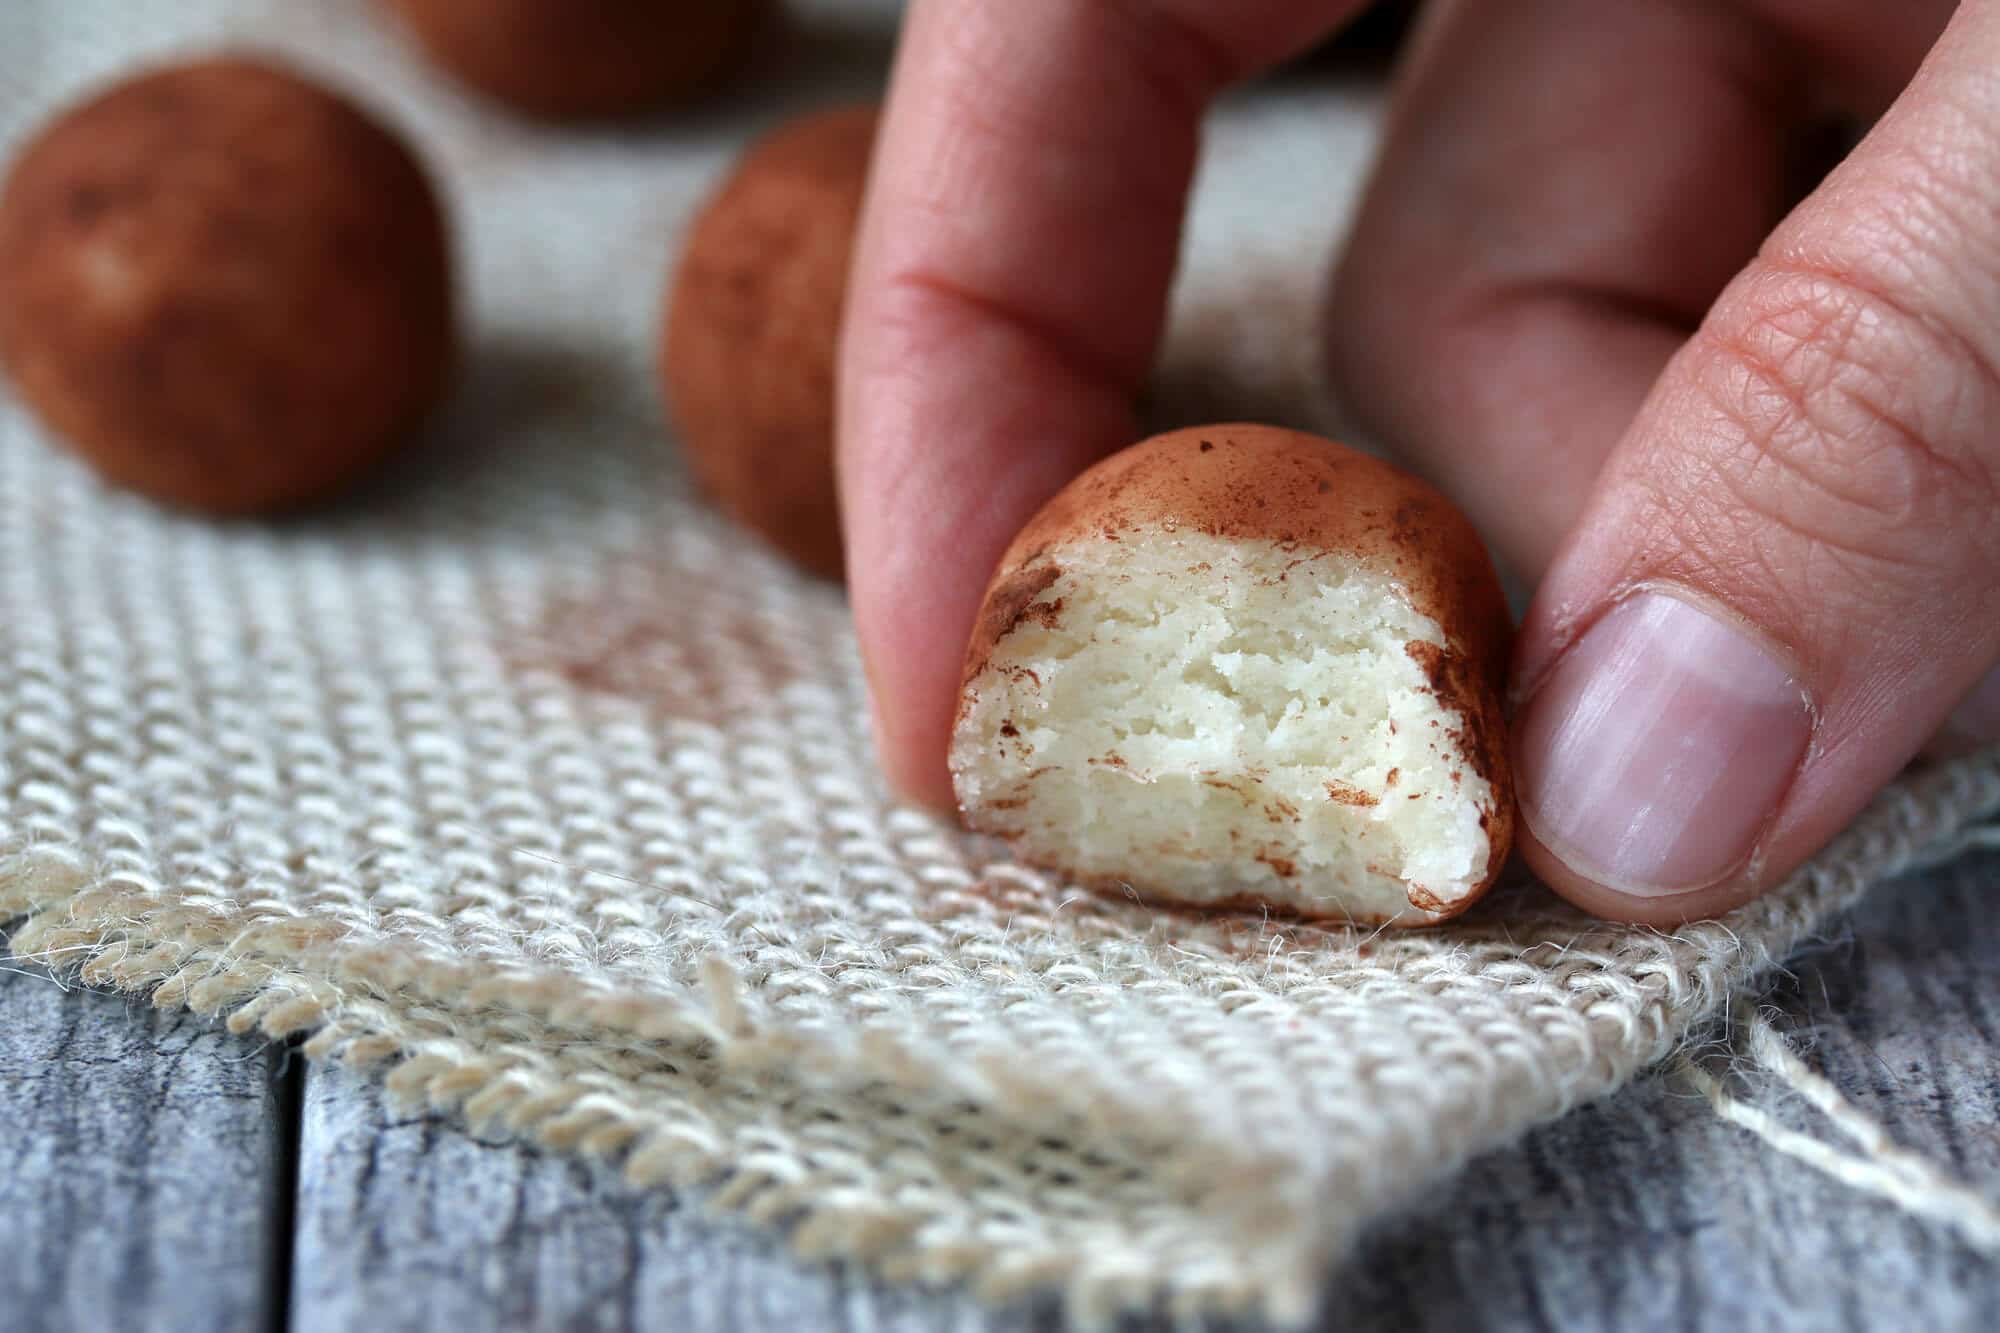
<point x="625" y="638"/>
<point x="1348" y="794"/>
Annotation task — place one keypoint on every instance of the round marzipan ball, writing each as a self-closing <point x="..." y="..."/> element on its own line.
<point x="583" y="59"/>
<point x="1243" y="667"/>
<point x="223" y="286"/>
<point x="752" y="319"/>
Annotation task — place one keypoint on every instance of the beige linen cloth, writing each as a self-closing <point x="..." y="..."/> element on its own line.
<point x="524" y="779"/>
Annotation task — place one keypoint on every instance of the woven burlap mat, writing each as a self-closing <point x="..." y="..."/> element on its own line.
<point x="524" y="779"/>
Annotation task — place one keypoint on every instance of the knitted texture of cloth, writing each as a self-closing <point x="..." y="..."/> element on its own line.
<point x="524" y="778"/>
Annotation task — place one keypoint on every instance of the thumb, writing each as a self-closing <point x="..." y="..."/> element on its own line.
<point x="1789" y="570"/>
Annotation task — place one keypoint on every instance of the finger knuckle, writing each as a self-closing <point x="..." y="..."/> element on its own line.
<point x="1850" y="419"/>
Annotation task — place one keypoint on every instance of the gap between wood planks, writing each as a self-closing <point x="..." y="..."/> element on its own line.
<point x="288" y="1095"/>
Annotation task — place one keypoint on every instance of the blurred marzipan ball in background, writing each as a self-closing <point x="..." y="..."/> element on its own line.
<point x="584" y="59"/>
<point x="752" y="320"/>
<point x="224" y="286"/>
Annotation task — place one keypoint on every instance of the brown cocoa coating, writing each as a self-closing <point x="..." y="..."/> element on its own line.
<point x="1263" y="483"/>
<point x="752" y="319"/>
<point x="225" y="287"/>
<point x="583" y="59"/>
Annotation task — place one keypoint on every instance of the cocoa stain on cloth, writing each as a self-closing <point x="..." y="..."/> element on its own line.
<point x="645" y="633"/>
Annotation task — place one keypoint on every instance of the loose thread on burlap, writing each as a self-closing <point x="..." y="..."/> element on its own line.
<point x="1977" y="837"/>
<point x="1882" y="1167"/>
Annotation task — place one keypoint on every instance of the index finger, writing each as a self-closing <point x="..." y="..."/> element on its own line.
<point x="1008" y="288"/>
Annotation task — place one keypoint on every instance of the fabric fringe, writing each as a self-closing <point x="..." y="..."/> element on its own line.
<point x="533" y="1056"/>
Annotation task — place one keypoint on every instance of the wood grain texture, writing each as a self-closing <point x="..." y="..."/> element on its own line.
<point x="144" y="1166"/>
<point x="407" y="1224"/>
<point x="1647" y="1211"/>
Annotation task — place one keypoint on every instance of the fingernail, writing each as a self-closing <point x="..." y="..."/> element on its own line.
<point x="1976" y="720"/>
<point x="1655" y="752"/>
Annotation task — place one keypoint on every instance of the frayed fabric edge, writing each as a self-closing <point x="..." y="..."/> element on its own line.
<point x="84" y="928"/>
<point x="255" y="977"/>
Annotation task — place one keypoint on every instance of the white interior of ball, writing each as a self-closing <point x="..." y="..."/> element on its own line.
<point x="1207" y="719"/>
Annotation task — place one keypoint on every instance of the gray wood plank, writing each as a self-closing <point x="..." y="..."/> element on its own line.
<point x="1642" y="1212"/>
<point x="144" y="1166"/>
<point x="406" y="1223"/>
<point x="1648" y="1212"/>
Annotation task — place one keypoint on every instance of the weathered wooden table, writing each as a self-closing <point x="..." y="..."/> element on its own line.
<point x="156" y="1173"/>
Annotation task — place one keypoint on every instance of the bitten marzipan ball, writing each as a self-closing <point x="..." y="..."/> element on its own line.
<point x="583" y="59"/>
<point x="1243" y="667"/>
<point x="747" y="358"/>
<point x="224" y="286"/>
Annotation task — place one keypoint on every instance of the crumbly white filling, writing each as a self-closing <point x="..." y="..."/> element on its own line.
<point x="1207" y="719"/>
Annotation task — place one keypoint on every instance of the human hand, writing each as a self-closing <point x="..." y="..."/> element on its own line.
<point x="1752" y="455"/>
